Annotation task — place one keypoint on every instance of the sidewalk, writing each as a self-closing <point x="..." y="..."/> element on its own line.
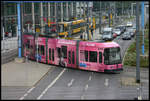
<point x="23" y="74"/>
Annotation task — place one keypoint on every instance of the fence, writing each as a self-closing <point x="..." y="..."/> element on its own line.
<point x="9" y="44"/>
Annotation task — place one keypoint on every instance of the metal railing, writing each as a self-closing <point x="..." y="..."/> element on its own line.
<point x="9" y="44"/>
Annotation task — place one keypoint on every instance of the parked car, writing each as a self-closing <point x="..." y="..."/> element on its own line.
<point x="126" y="35"/>
<point x="114" y="35"/>
<point x="121" y="29"/>
<point x="107" y="36"/>
<point x="129" y="24"/>
<point x="131" y="31"/>
<point x="132" y="34"/>
<point x="117" y="31"/>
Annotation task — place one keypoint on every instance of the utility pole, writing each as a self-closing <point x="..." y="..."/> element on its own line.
<point x="80" y="10"/>
<point x="132" y="8"/>
<point x="49" y="13"/>
<point x="84" y="9"/>
<point x="109" y="13"/>
<point x="100" y="17"/>
<point x="62" y="12"/>
<point x="56" y="15"/>
<point x="114" y="12"/>
<point x="75" y="10"/>
<point x="67" y="10"/>
<point x="137" y="44"/>
<point x="55" y="12"/>
<point x="72" y="9"/>
<point x="33" y="19"/>
<point x="19" y="31"/>
<point x="88" y="20"/>
<point x="142" y="23"/>
<point x="2" y="22"/>
<point x="22" y="19"/>
<point x="2" y="27"/>
<point x="41" y="14"/>
<point x="122" y="8"/>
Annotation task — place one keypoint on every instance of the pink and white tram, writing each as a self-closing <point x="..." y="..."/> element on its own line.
<point x="86" y="55"/>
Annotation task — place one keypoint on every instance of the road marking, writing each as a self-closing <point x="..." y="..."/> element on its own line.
<point x="90" y="78"/>
<point x="50" y="85"/>
<point x="21" y="98"/>
<point x="26" y="93"/>
<point x="86" y="87"/>
<point x="82" y="97"/>
<point x="106" y="82"/>
<point x="30" y="90"/>
<point x="70" y="83"/>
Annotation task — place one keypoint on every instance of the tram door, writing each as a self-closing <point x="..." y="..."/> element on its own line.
<point x="29" y="48"/>
<point x="51" y="56"/>
<point x="51" y="52"/>
<point x="100" y="61"/>
<point x="71" y="57"/>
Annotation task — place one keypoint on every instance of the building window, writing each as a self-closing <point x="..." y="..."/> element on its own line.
<point x="28" y="8"/>
<point x="92" y="56"/>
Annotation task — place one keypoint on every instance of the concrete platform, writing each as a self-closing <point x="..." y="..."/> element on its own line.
<point x="129" y="81"/>
<point x="22" y="74"/>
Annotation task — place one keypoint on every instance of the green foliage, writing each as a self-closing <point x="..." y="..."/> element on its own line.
<point x="130" y="58"/>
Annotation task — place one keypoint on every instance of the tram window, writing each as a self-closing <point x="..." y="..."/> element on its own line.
<point x="49" y="53"/>
<point x="28" y="44"/>
<point x="58" y="51"/>
<point x="93" y="56"/>
<point x="39" y="49"/>
<point x="86" y="56"/>
<point x="73" y="58"/>
<point x="42" y="50"/>
<point x="69" y="57"/>
<point x="64" y="51"/>
<point x="52" y="54"/>
<point x="82" y="57"/>
<point x="100" y="57"/>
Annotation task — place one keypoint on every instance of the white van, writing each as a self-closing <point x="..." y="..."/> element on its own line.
<point x="107" y="34"/>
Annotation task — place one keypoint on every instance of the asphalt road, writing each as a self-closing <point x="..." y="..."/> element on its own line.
<point x="66" y="83"/>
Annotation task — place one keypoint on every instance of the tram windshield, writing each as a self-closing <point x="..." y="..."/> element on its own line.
<point x="112" y="56"/>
